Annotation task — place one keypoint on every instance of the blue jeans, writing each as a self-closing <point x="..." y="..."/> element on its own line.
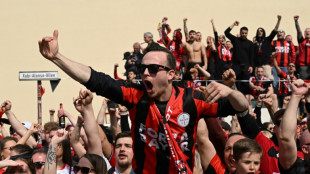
<point x="276" y="78"/>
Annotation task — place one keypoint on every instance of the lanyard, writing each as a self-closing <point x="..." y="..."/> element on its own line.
<point x="175" y="151"/>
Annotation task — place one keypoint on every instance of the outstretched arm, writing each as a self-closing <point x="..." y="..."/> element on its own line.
<point x="287" y="128"/>
<point x="299" y="33"/>
<point x="49" y="49"/>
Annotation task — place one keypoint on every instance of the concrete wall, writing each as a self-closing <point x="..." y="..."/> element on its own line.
<point x="98" y="32"/>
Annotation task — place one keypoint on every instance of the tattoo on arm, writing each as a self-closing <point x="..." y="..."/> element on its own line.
<point x="51" y="156"/>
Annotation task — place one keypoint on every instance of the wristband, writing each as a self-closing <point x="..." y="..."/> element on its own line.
<point x="244" y="113"/>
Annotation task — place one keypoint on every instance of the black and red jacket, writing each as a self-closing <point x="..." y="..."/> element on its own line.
<point x="151" y="152"/>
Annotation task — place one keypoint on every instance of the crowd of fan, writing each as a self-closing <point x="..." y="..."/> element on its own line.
<point x="263" y="70"/>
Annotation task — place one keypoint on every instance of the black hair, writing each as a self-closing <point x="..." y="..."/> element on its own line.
<point x="66" y="156"/>
<point x="22" y="149"/>
<point x="122" y="135"/>
<point x="171" y="63"/>
<point x="98" y="163"/>
<point x="260" y="39"/>
<point x="244" y="28"/>
<point x="108" y="133"/>
<point x="192" y="31"/>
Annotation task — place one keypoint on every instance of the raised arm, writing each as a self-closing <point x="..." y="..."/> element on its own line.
<point x="16" y="124"/>
<point x="275" y="63"/>
<point x="185" y="30"/>
<point x="52" y="112"/>
<point x="50" y="166"/>
<point x="228" y="34"/>
<point x="101" y="114"/>
<point x="115" y="127"/>
<point x="278" y="23"/>
<point x="75" y="139"/>
<point x="49" y="49"/>
<point x="287" y="128"/>
<point x="214" y="31"/>
<point x="115" y="72"/>
<point x="83" y="104"/>
<point x="35" y="128"/>
<point x="299" y="33"/>
<point x="206" y="148"/>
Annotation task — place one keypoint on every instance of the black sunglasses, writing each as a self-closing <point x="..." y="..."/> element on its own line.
<point x="84" y="170"/>
<point x="152" y="68"/>
<point x="39" y="164"/>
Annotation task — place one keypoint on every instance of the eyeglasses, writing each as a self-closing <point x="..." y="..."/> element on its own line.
<point x="39" y="164"/>
<point x="152" y="68"/>
<point x="291" y="65"/>
<point x="277" y="123"/>
<point x="9" y="148"/>
<point x="84" y="170"/>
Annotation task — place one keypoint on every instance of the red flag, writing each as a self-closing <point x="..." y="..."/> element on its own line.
<point x="42" y="90"/>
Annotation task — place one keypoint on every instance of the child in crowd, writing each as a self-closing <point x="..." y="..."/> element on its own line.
<point x="247" y="156"/>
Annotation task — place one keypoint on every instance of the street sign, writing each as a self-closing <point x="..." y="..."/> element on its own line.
<point x="38" y="75"/>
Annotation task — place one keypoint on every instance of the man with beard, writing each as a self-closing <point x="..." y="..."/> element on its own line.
<point x="157" y="107"/>
<point x="262" y="48"/>
<point x="243" y="56"/>
<point x="123" y="154"/>
<point x="196" y="52"/>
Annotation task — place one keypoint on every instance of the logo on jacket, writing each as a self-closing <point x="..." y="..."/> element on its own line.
<point x="183" y="119"/>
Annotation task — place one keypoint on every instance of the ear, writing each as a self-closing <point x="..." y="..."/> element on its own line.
<point x="171" y="75"/>
<point x="304" y="149"/>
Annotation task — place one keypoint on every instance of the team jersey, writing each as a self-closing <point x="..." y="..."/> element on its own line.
<point x="258" y="82"/>
<point x="269" y="163"/>
<point x="285" y="51"/>
<point x="304" y="52"/>
<point x="285" y="82"/>
<point x="151" y="151"/>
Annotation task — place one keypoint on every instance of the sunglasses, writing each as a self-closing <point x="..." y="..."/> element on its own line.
<point x="280" y="31"/>
<point x="152" y="68"/>
<point x="291" y="66"/>
<point x="84" y="170"/>
<point x="39" y="164"/>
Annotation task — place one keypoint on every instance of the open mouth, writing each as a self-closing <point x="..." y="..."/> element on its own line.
<point x="122" y="156"/>
<point x="149" y="86"/>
